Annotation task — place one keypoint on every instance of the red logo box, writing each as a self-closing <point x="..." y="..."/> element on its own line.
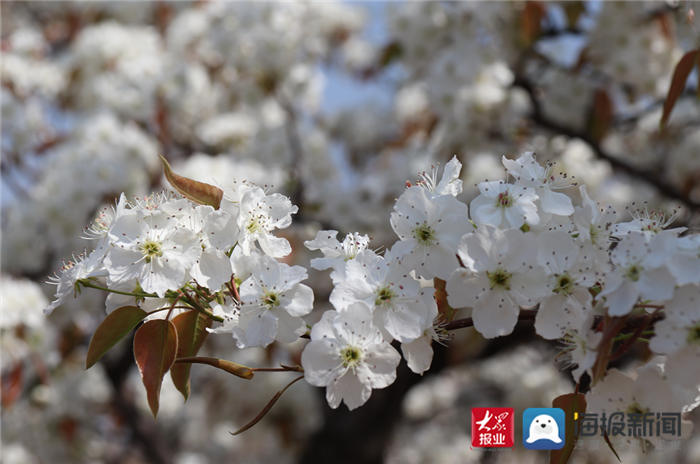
<point x="493" y="427"/>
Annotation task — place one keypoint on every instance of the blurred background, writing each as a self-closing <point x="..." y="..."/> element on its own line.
<point x="336" y="105"/>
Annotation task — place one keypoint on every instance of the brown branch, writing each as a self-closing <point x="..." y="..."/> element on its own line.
<point x="652" y="177"/>
<point x="633" y="322"/>
<point x="622" y="349"/>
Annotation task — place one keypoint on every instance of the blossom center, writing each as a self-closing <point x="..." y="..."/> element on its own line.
<point x="151" y="248"/>
<point x="352" y="246"/>
<point x="633" y="272"/>
<point x="499" y="279"/>
<point x="635" y="408"/>
<point x="593" y="230"/>
<point x="270" y="299"/>
<point x="352" y="356"/>
<point x="565" y="284"/>
<point x="694" y="335"/>
<point x="654" y="221"/>
<point x="555" y="181"/>
<point x="255" y="225"/>
<point x="504" y="200"/>
<point x="424" y="234"/>
<point x="384" y="296"/>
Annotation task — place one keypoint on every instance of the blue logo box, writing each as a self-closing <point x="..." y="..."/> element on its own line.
<point x="544" y="428"/>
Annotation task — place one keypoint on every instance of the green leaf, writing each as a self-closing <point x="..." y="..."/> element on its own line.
<point x="571" y="404"/>
<point x="115" y="326"/>
<point x="155" y="346"/>
<point x="191" y="333"/>
<point x="680" y="76"/>
<point x="199" y="192"/>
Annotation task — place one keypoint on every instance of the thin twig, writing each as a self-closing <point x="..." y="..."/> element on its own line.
<point x="635" y="336"/>
<point x="652" y="177"/>
<point x="297" y="151"/>
<point x="633" y="322"/>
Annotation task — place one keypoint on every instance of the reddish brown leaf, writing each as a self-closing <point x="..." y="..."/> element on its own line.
<point x="68" y="428"/>
<point x="531" y="22"/>
<point x="12" y="384"/>
<point x="115" y="326"/>
<point x="155" y="346"/>
<point x="680" y="76"/>
<point x="572" y="404"/>
<point x="41" y="370"/>
<point x="601" y="116"/>
<point x="199" y="192"/>
<point x="664" y="20"/>
<point x="191" y="333"/>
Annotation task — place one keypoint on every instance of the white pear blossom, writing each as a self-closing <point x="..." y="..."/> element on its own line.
<point x="678" y="336"/>
<point x="335" y="253"/>
<point x="684" y="262"/>
<point x="639" y="273"/>
<point x="682" y="367"/>
<point x="229" y="312"/>
<point x="563" y="223"/>
<point x="243" y="265"/>
<point x="449" y="184"/>
<point x="82" y="267"/>
<point x="419" y="352"/>
<point x="528" y="172"/>
<point x="100" y="227"/>
<point x="505" y="205"/>
<point x="569" y="276"/>
<point x="259" y="214"/>
<point x="21" y="301"/>
<point x="501" y="273"/>
<point x="272" y="303"/>
<point x="593" y="225"/>
<point x="387" y="287"/>
<point x="348" y="355"/>
<point x="685" y="398"/>
<point x="217" y="231"/>
<point x="648" y="393"/>
<point x="154" y="250"/>
<point x="581" y="350"/>
<point x="429" y="230"/>
<point x="650" y="223"/>
<point x="163" y="201"/>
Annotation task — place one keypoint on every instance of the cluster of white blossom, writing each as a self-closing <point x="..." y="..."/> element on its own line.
<point x="526" y="245"/>
<point x="147" y="250"/>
